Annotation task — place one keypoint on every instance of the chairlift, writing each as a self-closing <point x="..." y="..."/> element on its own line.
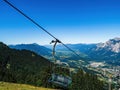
<point x="60" y="80"/>
<point x="56" y="78"/>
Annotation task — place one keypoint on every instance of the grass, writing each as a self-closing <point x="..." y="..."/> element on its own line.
<point x="13" y="86"/>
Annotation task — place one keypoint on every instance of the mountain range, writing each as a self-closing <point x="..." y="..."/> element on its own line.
<point x="108" y="51"/>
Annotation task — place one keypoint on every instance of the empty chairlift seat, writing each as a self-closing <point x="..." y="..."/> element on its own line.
<point x="60" y="80"/>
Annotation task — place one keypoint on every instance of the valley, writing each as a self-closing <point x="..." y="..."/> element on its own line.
<point x="106" y="72"/>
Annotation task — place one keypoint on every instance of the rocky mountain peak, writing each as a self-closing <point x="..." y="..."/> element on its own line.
<point x="111" y="45"/>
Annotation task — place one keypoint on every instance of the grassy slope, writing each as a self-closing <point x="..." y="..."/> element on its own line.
<point x="13" y="86"/>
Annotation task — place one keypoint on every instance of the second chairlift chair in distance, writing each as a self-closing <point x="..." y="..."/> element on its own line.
<point x="56" y="78"/>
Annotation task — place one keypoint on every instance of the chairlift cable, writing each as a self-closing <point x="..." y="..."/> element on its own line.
<point x="66" y="79"/>
<point x="40" y="26"/>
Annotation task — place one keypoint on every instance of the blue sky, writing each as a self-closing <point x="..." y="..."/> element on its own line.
<point x="71" y="21"/>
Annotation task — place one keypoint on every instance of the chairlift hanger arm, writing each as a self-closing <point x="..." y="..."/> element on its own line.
<point x="55" y="43"/>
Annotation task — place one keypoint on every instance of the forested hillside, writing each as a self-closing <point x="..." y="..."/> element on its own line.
<point x="22" y="66"/>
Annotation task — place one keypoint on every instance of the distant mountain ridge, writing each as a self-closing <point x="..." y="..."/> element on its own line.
<point x="41" y="50"/>
<point x="108" y="51"/>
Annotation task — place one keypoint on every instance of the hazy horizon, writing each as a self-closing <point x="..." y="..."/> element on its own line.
<point x="58" y="44"/>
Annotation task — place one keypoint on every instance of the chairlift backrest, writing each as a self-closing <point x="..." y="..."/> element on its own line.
<point x="61" y="80"/>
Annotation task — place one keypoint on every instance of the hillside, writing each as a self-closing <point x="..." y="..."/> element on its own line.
<point x="13" y="86"/>
<point x="22" y="66"/>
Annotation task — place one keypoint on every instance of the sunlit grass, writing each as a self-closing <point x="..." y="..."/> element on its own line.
<point x="13" y="86"/>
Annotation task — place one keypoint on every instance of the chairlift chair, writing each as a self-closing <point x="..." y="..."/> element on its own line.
<point x="59" y="79"/>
